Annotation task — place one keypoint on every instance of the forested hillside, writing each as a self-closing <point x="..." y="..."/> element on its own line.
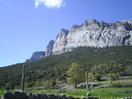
<point x="52" y="69"/>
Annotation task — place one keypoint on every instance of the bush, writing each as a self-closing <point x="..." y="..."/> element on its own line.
<point x="98" y="76"/>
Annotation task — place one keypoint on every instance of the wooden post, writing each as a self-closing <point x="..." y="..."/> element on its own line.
<point x="86" y="81"/>
<point x="87" y="90"/>
<point x="23" y="77"/>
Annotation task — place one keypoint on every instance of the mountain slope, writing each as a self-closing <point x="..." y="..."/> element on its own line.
<point x="54" y="67"/>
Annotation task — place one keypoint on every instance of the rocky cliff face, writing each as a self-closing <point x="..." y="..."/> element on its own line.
<point x="36" y="56"/>
<point x="93" y="34"/>
<point x="60" y="42"/>
<point x="49" y="48"/>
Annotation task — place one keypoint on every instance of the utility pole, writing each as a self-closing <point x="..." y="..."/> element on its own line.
<point x="23" y="77"/>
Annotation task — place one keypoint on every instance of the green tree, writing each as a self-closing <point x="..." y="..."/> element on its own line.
<point x="113" y="77"/>
<point x="90" y="77"/>
<point x="75" y="74"/>
<point x="98" y="76"/>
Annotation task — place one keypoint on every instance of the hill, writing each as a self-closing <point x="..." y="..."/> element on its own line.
<point x="52" y="69"/>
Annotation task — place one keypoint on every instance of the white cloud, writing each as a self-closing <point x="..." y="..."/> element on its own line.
<point x="50" y="3"/>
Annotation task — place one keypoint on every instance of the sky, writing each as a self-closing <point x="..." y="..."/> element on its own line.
<point x="27" y="26"/>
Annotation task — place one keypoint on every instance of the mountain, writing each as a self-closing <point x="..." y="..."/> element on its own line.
<point x="36" y="56"/>
<point x="92" y="33"/>
<point x="98" y="47"/>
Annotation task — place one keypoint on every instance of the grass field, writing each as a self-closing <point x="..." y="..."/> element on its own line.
<point x="123" y="82"/>
<point x="101" y="92"/>
<point x="97" y="92"/>
<point x="1" y="93"/>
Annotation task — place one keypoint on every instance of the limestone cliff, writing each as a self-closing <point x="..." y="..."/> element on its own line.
<point x="49" y="48"/>
<point x="93" y="33"/>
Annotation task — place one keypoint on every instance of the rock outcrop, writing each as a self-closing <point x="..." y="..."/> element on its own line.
<point x="36" y="56"/>
<point x="49" y="48"/>
<point x="60" y="42"/>
<point x="93" y="33"/>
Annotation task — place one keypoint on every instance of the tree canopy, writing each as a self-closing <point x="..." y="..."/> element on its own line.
<point x="75" y="74"/>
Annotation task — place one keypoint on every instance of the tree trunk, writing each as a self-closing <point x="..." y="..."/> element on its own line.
<point x="75" y="85"/>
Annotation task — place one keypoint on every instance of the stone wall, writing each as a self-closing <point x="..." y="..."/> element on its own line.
<point x="21" y="95"/>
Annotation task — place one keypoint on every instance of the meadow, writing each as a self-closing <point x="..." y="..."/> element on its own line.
<point x="96" y="92"/>
<point x="110" y="92"/>
<point x="100" y="92"/>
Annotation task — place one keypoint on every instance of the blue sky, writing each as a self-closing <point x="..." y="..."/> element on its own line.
<point x="26" y="27"/>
